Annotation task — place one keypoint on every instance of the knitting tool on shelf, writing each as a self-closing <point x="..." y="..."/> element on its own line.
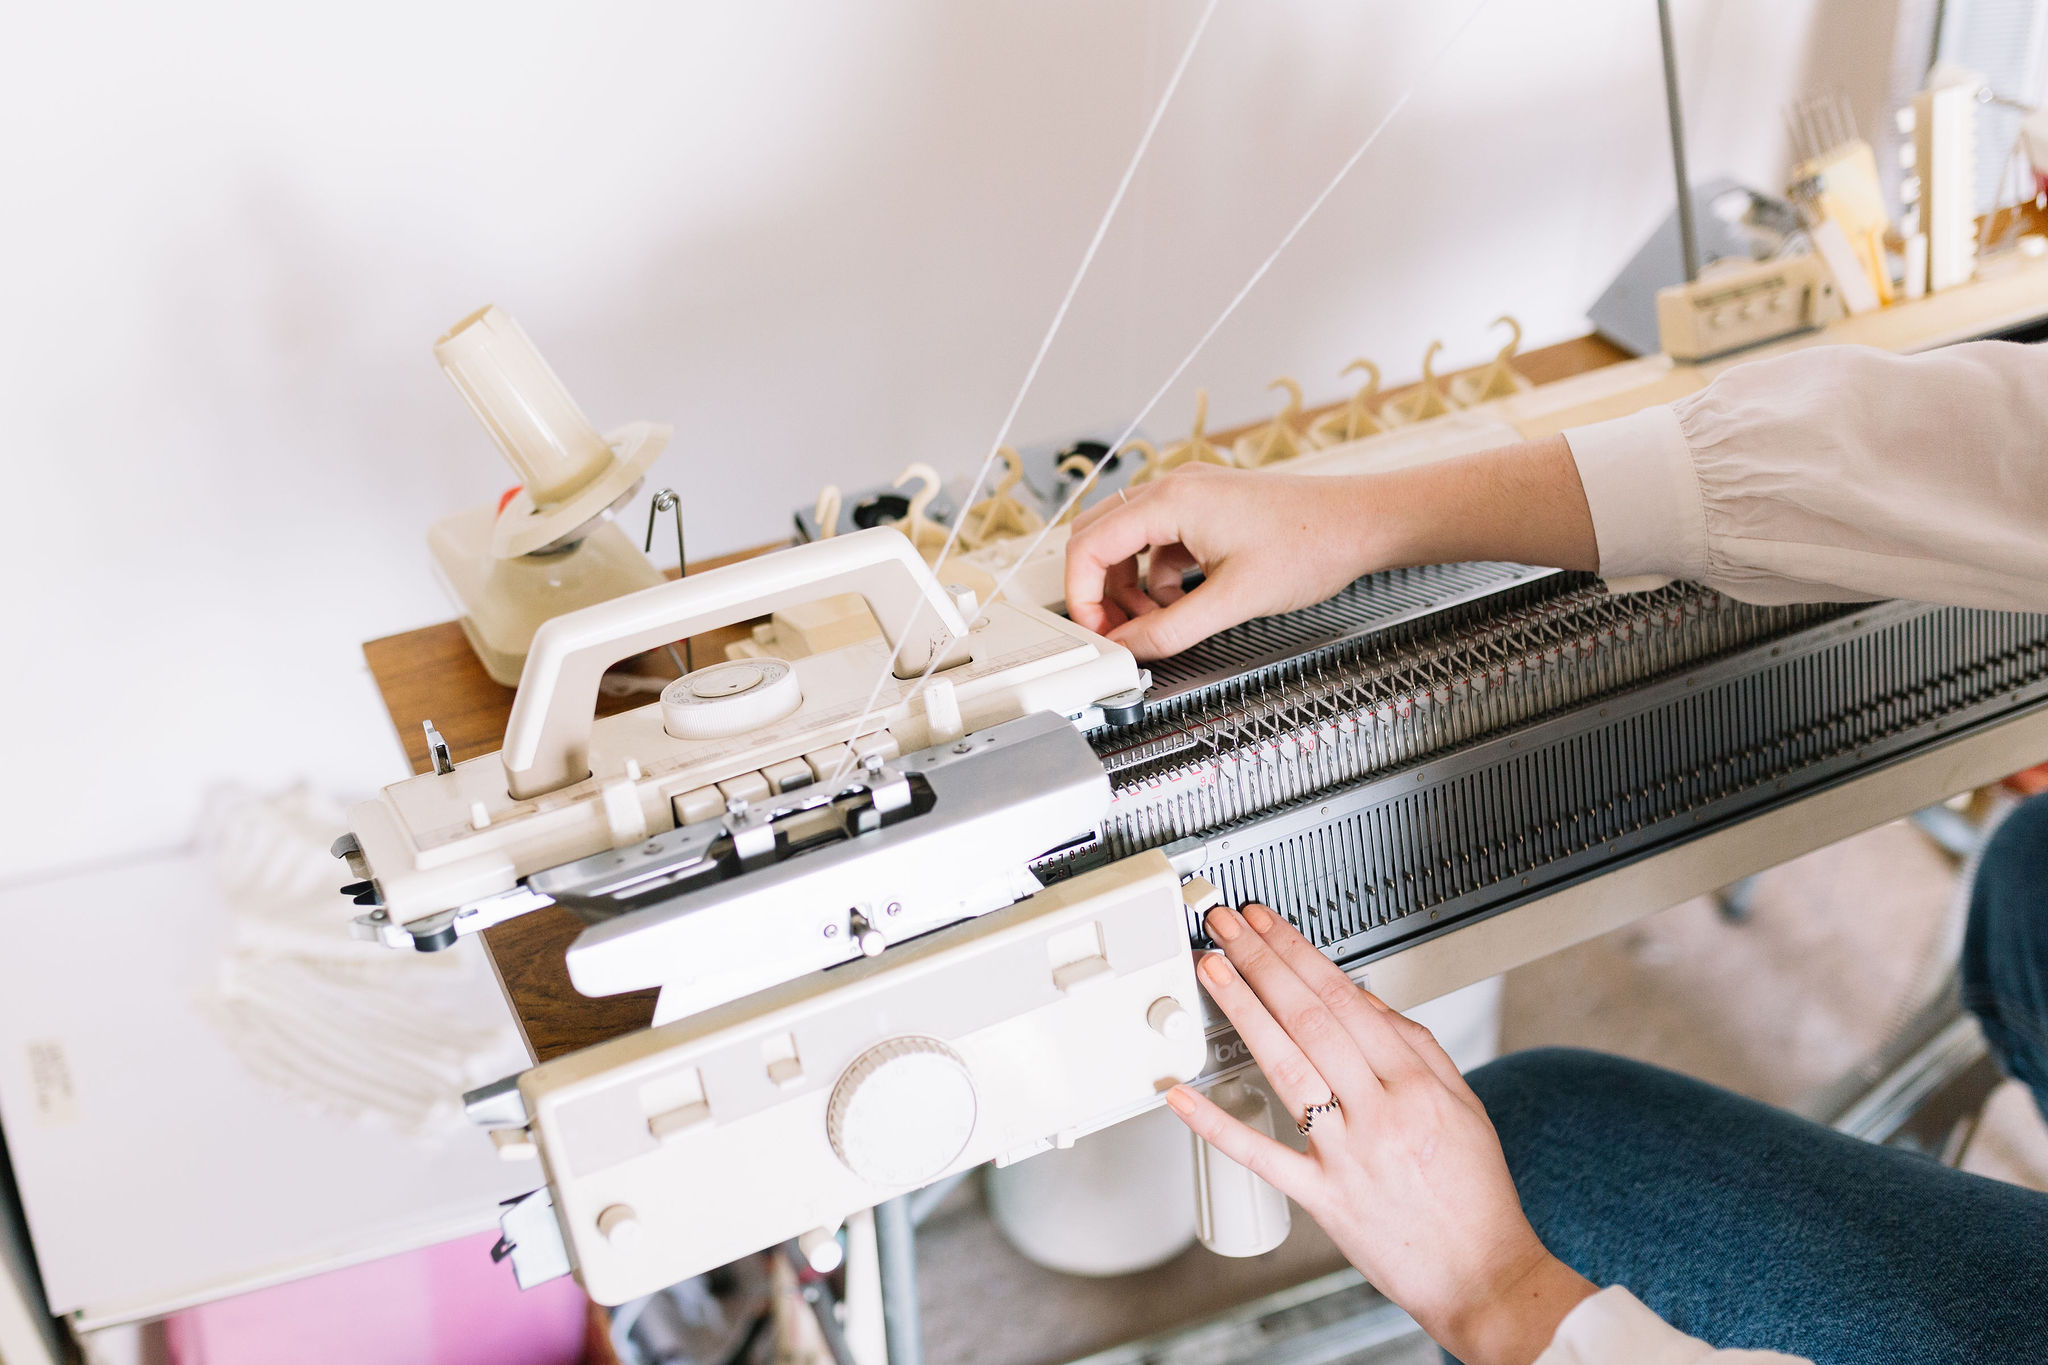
<point x="1500" y="379"/>
<point x="1000" y="516"/>
<point x="1277" y="440"/>
<point x="860" y="509"/>
<point x="826" y="515"/>
<point x="1078" y="467"/>
<point x="1358" y="417"/>
<point x="1197" y="448"/>
<point x="1425" y="400"/>
<point x="927" y="535"/>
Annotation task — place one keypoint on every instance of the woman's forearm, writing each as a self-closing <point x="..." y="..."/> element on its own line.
<point x="1521" y="503"/>
<point x="1270" y="543"/>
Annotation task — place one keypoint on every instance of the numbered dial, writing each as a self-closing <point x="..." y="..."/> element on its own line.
<point x="902" y="1112"/>
<point x="729" y="699"/>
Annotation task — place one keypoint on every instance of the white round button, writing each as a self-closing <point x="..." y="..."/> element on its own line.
<point x="729" y="698"/>
<point x="1170" y="1019"/>
<point x="821" y="1250"/>
<point x="902" y="1112"/>
<point x="620" y="1226"/>
<point x="728" y="681"/>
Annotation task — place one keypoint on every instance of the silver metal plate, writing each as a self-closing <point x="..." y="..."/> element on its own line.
<point x="995" y="801"/>
<point x="1373" y="604"/>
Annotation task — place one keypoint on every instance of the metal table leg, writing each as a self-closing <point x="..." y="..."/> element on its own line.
<point x="896" y="1247"/>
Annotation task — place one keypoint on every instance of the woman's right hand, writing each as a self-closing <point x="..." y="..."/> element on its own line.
<point x="1271" y="542"/>
<point x="1265" y="543"/>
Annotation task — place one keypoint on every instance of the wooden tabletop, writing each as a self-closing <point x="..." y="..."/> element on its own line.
<point x="432" y="674"/>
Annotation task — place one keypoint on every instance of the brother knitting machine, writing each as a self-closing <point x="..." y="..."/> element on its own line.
<point x="901" y="930"/>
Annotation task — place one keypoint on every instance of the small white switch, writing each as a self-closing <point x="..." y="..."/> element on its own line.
<point x="1077" y="973"/>
<point x="619" y="1226"/>
<point x="1200" y="895"/>
<point x="675" y="1103"/>
<point x="788" y="775"/>
<point x="821" y="1249"/>
<point x="514" y="1144"/>
<point x="865" y="935"/>
<point x="942" y="712"/>
<point x="699" y="803"/>
<point x="675" y="1122"/>
<point x="747" y="787"/>
<point x="826" y="763"/>
<point x="880" y="742"/>
<point x="1170" y="1019"/>
<point x="625" y="821"/>
<point x="785" y="1068"/>
<point x="1077" y="955"/>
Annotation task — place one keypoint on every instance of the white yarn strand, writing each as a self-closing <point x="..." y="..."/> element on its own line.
<point x="1052" y="330"/>
<point x="1386" y="120"/>
<point x="1059" y="316"/>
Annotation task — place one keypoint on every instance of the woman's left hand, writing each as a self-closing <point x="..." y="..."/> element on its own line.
<point x="1405" y="1173"/>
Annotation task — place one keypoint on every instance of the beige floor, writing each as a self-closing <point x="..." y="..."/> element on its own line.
<point x="1772" y="1008"/>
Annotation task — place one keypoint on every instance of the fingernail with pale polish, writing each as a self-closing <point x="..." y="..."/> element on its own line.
<point x="1258" y="918"/>
<point x="1215" y="967"/>
<point x="1181" y="1100"/>
<point x="1222" y="922"/>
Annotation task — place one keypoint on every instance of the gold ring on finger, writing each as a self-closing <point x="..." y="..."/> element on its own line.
<point x="1308" y="1115"/>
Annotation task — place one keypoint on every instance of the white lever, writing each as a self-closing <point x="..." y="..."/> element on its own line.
<point x="547" y="739"/>
<point x="1236" y="1213"/>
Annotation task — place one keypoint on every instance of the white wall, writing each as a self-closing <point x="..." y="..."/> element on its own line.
<point x="822" y="240"/>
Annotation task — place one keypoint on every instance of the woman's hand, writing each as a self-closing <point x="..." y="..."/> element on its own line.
<point x="1270" y="542"/>
<point x="1265" y="543"/>
<point x="1405" y="1174"/>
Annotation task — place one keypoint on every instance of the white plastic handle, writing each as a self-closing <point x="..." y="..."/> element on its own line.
<point x="547" y="739"/>
<point x="1236" y="1213"/>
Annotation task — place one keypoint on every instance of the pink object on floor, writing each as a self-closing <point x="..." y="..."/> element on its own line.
<point x="443" y="1305"/>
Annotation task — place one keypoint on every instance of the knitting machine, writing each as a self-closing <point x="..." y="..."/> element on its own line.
<point x="920" y="894"/>
<point x="1006" y="913"/>
<point x="1436" y="745"/>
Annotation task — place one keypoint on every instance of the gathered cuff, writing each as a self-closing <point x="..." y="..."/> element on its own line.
<point x="1649" y="517"/>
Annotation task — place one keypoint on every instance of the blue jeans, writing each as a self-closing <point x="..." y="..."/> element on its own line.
<point x="1749" y="1227"/>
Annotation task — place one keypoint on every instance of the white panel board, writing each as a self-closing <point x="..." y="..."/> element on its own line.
<point x="155" y="1170"/>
